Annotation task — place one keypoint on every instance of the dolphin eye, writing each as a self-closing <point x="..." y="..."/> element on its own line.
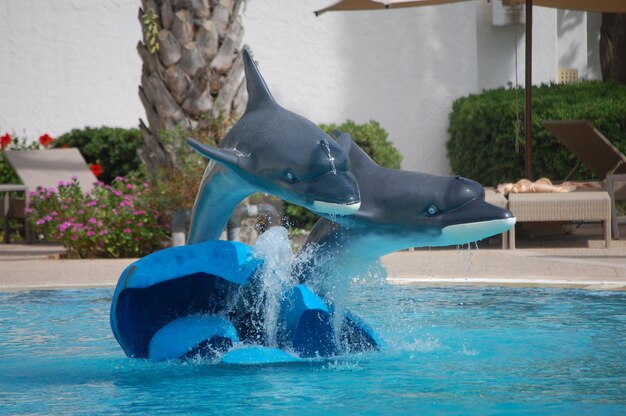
<point x="432" y="210"/>
<point x="290" y="177"/>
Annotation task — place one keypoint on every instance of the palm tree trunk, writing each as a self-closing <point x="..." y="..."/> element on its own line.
<point x="613" y="47"/>
<point x="192" y="69"/>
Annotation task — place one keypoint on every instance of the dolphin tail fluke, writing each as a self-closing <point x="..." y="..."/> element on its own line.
<point x="258" y="93"/>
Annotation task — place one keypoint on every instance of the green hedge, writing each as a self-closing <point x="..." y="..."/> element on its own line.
<point x="372" y="138"/>
<point x="483" y="129"/>
<point x="115" y="149"/>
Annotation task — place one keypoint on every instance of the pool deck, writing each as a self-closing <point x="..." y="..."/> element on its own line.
<point x="564" y="261"/>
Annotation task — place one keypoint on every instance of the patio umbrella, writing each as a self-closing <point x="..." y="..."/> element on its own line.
<point x="608" y="6"/>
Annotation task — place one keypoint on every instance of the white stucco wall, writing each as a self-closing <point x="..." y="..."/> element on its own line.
<point x="72" y="63"/>
<point x="68" y="64"/>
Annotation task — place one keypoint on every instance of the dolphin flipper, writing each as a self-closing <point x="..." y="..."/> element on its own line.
<point x="226" y="157"/>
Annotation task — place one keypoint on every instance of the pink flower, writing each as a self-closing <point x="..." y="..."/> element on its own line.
<point x="91" y="203"/>
<point x="64" y="226"/>
<point x="74" y="237"/>
<point x="90" y="234"/>
<point x="74" y="178"/>
<point x="92" y="220"/>
<point x="130" y="186"/>
<point x="29" y="210"/>
<point x="41" y="222"/>
<point x="54" y="214"/>
<point x="117" y="193"/>
<point x="128" y="230"/>
<point x="47" y="218"/>
<point x="104" y="232"/>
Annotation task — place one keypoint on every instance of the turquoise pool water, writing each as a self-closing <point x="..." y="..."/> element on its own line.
<point x="450" y="351"/>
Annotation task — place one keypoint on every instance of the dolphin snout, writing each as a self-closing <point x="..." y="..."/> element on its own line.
<point x="334" y="193"/>
<point x="476" y="211"/>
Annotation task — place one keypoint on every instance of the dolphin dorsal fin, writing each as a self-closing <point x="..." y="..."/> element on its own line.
<point x="355" y="153"/>
<point x="343" y="139"/>
<point x="225" y="157"/>
<point x="258" y="93"/>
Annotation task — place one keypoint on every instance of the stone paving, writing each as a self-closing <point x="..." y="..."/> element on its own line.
<point x="577" y="260"/>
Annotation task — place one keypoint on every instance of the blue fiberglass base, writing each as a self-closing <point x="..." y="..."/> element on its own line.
<point x="176" y="304"/>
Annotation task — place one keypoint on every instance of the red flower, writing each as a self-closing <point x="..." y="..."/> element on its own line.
<point x="96" y="169"/>
<point x="65" y="145"/>
<point x="5" y="141"/>
<point x="45" y="140"/>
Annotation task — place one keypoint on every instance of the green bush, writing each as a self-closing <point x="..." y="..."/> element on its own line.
<point x="485" y="146"/>
<point x="372" y="138"/>
<point x="176" y="188"/>
<point x="115" y="149"/>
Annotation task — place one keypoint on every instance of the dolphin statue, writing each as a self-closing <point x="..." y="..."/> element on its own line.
<point x="275" y="151"/>
<point x="402" y="209"/>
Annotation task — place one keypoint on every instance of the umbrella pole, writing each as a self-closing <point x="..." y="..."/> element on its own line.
<point x="528" y="119"/>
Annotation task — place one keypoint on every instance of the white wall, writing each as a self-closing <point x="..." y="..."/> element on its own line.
<point x="67" y="64"/>
<point x="400" y="67"/>
<point x="72" y="63"/>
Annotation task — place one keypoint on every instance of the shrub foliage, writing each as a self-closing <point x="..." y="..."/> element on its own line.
<point x="487" y="129"/>
<point x="110" y="221"/>
<point x="115" y="149"/>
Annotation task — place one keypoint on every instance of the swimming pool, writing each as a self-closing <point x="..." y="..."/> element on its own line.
<point x="454" y="350"/>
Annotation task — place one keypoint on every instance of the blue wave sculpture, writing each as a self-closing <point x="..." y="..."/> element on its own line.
<point x="201" y="300"/>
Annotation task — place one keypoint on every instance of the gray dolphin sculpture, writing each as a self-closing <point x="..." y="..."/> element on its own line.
<point x="402" y="209"/>
<point x="275" y="151"/>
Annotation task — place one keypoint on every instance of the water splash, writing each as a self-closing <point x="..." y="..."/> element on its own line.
<point x="274" y="278"/>
<point x="337" y="284"/>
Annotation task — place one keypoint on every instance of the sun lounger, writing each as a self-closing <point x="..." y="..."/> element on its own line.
<point x="44" y="168"/>
<point x="568" y="206"/>
<point x="613" y="183"/>
<point x="589" y="145"/>
<point x="598" y="154"/>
